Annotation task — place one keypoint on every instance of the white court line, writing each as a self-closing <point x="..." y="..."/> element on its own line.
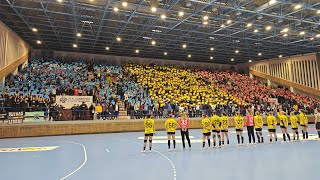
<point x="164" y="137"/>
<point x="168" y="159"/>
<point x="107" y="150"/>
<point x="84" y="162"/>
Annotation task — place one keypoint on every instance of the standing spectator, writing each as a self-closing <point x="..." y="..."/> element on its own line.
<point x="83" y="109"/>
<point x="91" y="109"/>
<point x="73" y="111"/>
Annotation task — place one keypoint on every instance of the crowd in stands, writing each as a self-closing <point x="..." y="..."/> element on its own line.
<point x="144" y="89"/>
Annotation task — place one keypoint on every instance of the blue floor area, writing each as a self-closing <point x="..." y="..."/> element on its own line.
<point x="117" y="156"/>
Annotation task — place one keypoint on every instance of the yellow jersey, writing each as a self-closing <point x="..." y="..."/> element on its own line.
<point x="148" y="126"/>
<point x="272" y="122"/>
<point x="258" y="122"/>
<point x="294" y="121"/>
<point x="206" y="124"/>
<point x="283" y="120"/>
<point x="303" y="119"/>
<point x="171" y="125"/>
<point x="224" y="122"/>
<point x="215" y="121"/>
<point x="239" y="122"/>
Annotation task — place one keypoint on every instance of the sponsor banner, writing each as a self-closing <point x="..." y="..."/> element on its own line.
<point x="68" y="101"/>
<point x="3" y="117"/>
<point x="28" y="149"/>
<point x="37" y="116"/>
<point x="273" y="100"/>
<point x="16" y="116"/>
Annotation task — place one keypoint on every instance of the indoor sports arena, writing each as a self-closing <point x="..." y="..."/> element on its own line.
<point x="159" y="89"/>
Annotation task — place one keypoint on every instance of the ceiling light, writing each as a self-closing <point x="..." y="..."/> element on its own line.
<point x="137" y="51"/>
<point x="211" y="38"/>
<point x="311" y="38"/>
<point x="107" y="48"/>
<point x="256" y="30"/>
<point x="232" y="59"/>
<point x="298" y="6"/>
<point x="222" y="25"/>
<point x="153" y="42"/>
<point x="249" y="24"/>
<point x="34" y="29"/>
<point x="181" y="13"/>
<point x="318" y="35"/>
<point x="38" y="42"/>
<point x="318" y="12"/>
<point x="74" y="45"/>
<point x="280" y="56"/>
<point x="284" y="30"/>
<point x="156" y="30"/>
<point x="163" y="16"/>
<point x="205" y="18"/>
<point x="59" y="0"/>
<point x="118" y="39"/>
<point x="79" y="35"/>
<point x="237" y="51"/>
<point x="189" y="55"/>
<point x="205" y="22"/>
<point x="229" y="21"/>
<point x="165" y="53"/>
<point x="268" y="28"/>
<point x="285" y="35"/>
<point x="259" y="54"/>
<point x="146" y="37"/>
<point x="153" y="9"/>
<point x="184" y="46"/>
<point x="250" y="61"/>
<point x="302" y="33"/>
<point x="211" y="49"/>
<point x="124" y="4"/>
<point x="211" y="57"/>
<point x="272" y="2"/>
<point x="116" y="9"/>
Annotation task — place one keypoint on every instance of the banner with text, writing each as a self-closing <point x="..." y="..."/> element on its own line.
<point x="68" y="101"/>
<point x="37" y="116"/>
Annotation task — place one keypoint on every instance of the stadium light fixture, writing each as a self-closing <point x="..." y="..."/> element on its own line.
<point x="232" y="59"/>
<point x="211" y="57"/>
<point x="153" y="42"/>
<point x="318" y="35"/>
<point x="34" y="29"/>
<point x="250" y="61"/>
<point x="302" y="33"/>
<point x="181" y="13"/>
<point x="184" y="46"/>
<point x="189" y="55"/>
<point x="39" y="42"/>
<point x="124" y="4"/>
<point x="249" y="24"/>
<point x="311" y="39"/>
<point x="222" y="25"/>
<point x="285" y="35"/>
<point x="74" y="45"/>
<point x="205" y="23"/>
<point x="137" y="51"/>
<point x="165" y="53"/>
<point x="153" y="9"/>
<point x="280" y="56"/>
<point x="118" y="39"/>
<point x="79" y="35"/>
<point x="107" y="48"/>
<point x="259" y="54"/>
<point x="256" y="30"/>
<point x="318" y="12"/>
<point x="115" y="9"/>
<point x="211" y="49"/>
<point x="298" y="6"/>
<point x="163" y="16"/>
<point x="237" y="51"/>
<point x="205" y="18"/>
<point x="229" y="21"/>
<point x="284" y="30"/>
<point x="268" y="28"/>
<point x="59" y="1"/>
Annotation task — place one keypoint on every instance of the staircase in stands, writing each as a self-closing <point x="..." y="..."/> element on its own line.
<point x="122" y="111"/>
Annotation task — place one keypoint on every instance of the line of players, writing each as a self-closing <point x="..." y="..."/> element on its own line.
<point x="219" y="126"/>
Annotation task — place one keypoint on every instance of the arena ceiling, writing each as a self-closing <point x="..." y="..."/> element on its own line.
<point x="220" y="31"/>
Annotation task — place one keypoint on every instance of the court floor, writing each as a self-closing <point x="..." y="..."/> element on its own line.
<point x="117" y="156"/>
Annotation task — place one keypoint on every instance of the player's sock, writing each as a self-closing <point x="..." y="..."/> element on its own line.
<point x="242" y="139"/>
<point x="222" y="142"/>
<point x="144" y="148"/>
<point x="258" y="137"/>
<point x="294" y="138"/>
<point x="168" y="144"/>
<point x="203" y="144"/>
<point x="284" y="137"/>
<point x="307" y="135"/>
<point x="261" y="139"/>
<point x="214" y="143"/>
<point x="238" y="138"/>
<point x="276" y="139"/>
<point x="288" y="137"/>
<point x="209" y="142"/>
<point x="174" y="144"/>
<point x="228" y="141"/>
<point x="319" y="134"/>
<point x="150" y="148"/>
<point x="303" y="135"/>
<point x="219" y="143"/>
<point x="270" y="140"/>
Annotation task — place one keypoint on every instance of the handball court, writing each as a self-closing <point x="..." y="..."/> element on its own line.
<point x="118" y="156"/>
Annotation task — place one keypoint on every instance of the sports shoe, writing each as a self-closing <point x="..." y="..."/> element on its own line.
<point x="143" y="151"/>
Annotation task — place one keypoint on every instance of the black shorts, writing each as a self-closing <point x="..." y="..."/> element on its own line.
<point x="272" y="130"/>
<point x="216" y="131"/>
<point x="224" y="130"/>
<point x="283" y="127"/>
<point x="302" y="125"/>
<point x="151" y="134"/>
<point x="169" y="133"/>
<point x="258" y="129"/>
<point x="207" y="134"/>
<point x="239" y="130"/>
<point x="294" y="128"/>
<point x="318" y="125"/>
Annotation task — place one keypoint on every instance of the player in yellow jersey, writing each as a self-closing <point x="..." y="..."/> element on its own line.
<point x="258" y="123"/>
<point x="171" y="126"/>
<point x="149" y="130"/>
<point x="303" y="123"/>
<point x="239" y="124"/>
<point x="272" y="124"/>
<point x="215" y="122"/>
<point x="206" y="124"/>
<point x="224" y="121"/>
<point x="284" y="125"/>
<point x="294" y="125"/>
